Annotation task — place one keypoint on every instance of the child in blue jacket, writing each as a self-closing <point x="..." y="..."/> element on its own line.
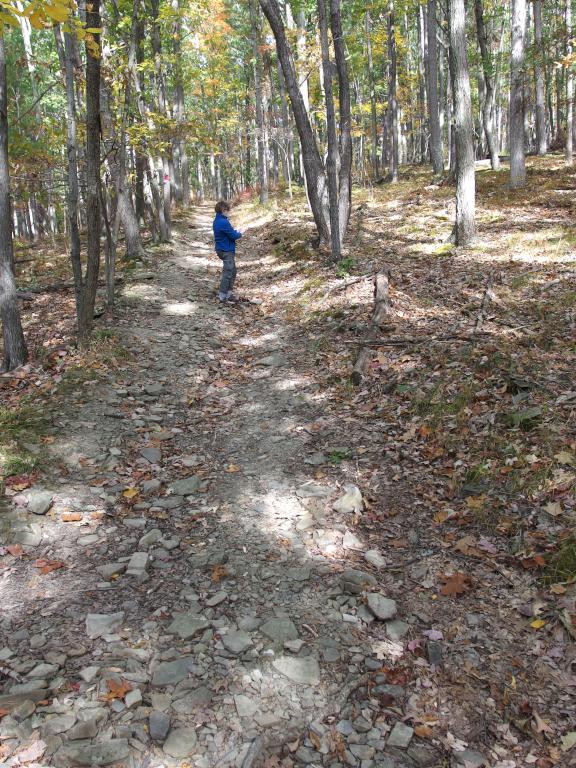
<point x="225" y="237"/>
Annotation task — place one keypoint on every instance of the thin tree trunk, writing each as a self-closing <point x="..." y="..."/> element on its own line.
<point x="392" y="99"/>
<point x="93" y="220"/>
<point x="569" y="151"/>
<point x="488" y="107"/>
<point x="332" y="159"/>
<point x="258" y="97"/>
<point x="163" y="162"/>
<point x="372" y="84"/>
<point x="15" y="352"/>
<point x="464" y="126"/>
<point x="541" y="137"/>
<point x="433" y="107"/>
<point x="516" y="119"/>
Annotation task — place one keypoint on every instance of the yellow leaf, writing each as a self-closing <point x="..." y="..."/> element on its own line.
<point x="553" y="508"/>
<point x="537" y="624"/>
<point x="441" y="516"/>
<point x="564" y="457"/>
<point x="129" y="493"/>
<point x="232" y="468"/>
<point x="476" y="502"/>
<point x="558" y="589"/>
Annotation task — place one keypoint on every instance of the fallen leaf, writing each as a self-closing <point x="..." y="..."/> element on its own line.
<point x="233" y="468"/>
<point x="558" y="589"/>
<point x="219" y="572"/>
<point x="568" y="741"/>
<point x="539" y="725"/>
<point x="30" y="754"/>
<point x="454" y="585"/>
<point x="129" y="493"/>
<point x="423" y="731"/>
<point x="537" y="624"/>
<point x="564" y="457"/>
<point x="117" y="689"/>
<point x="4" y="712"/>
<point x="47" y="566"/>
<point x="15" y="550"/>
<point x="71" y="517"/>
<point x="553" y="508"/>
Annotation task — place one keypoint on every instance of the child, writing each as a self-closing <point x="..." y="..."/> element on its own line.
<point x="225" y="237"/>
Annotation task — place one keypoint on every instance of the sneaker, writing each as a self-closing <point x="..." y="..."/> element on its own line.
<point x="232" y="299"/>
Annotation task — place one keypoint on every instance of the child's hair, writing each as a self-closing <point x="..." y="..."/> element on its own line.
<point x="222" y="206"/>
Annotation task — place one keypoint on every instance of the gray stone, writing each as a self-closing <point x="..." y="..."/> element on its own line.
<point x="85" y="541"/>
<point x="43" y="670"/>
<point x="187" y="486"/>
<point x="135" y="522"/>
<point x="39" y="501"/>
<point x="374" y="557"/>
<point x="304" y="671"/>
<point x="153" y="455"/>
<point x="305" y="522"/>
<point x="245" y="706"/>
<point x="279" y="630"/>
<point x="294" y="646"/>
<point x="237" y="642"/>
<point x="468" y="759"/>
<point x="354" y="582"/>
<point x="85" y="729"/>
<point x="188" y="625"/>
<point x="181" y="742"/>
<point x="217" y="598"/>
<point x="138" y="564"/>
<point x="133" y="698"/>
<point x="110" y="570"/>
<point x="23" y="710"/>
<point x="268" y="719"/>
<point x="99" y="624"/>
<point x="192" y="702"/>
<point x="397" y="629"/>
<point x="362" y="751"/>
<point x="312" y="491"/>
<point x="298" y="574"/>
<point x="58" y="724"/>
<point x="159" y="725"/>
<point x="249" y="623"/>
<point x="272" y="361"/>
<point x="153" y="389"/>
<point x="350" y="541"/>
<point x="400" y="736"/>
<point x="316" y="459"/>
<point x="104" y="753"/>
<point x="172" y="672"/>
<point x="28" y="535"/>
<point x="434" y="652"/>
<point x="88" y="674"/>
<point x="362" y="724"/>
<point x="345" y="727"/>
<point x="382" y="607"/>
<point x="150" y="538"/>
<point x="350" y="502"/>
<point x="307" y="756"/>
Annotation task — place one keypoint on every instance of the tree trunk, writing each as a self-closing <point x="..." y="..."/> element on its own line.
<point x="392" y="99"/>
<point x="314" y="171"/>
<point x="93" y="219"/>
<point x="541" y="136"/>
<point x="258" y="97"/>
<point x="332" y="158"/>
<point x="163" y="162"/>
<point x="372" y="83"/>
<point x="489" y="101"/>
<point x="569" y="152"/>
<point x="516" y="118"/>
<point x="464" y="127"/>
<point x="15" y="352"/>
<point x="433" y="107"/>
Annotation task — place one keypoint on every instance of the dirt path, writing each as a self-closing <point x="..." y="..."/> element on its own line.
<point x="184" y="513"/>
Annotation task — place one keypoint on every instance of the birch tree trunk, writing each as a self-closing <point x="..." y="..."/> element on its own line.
<point x="464" y="127"/>
<point x="516" y="115"/>
<point x="15" y="352"/>
<point x="541" y="135"/>
<point x="488" y="107"/>
<point x="433" y="106"/>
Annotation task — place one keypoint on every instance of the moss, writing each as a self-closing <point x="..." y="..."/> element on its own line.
<point x="561" y="566"/>
<point x="20" y="432"/>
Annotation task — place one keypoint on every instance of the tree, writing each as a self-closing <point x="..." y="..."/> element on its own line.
<point x="464" y="229"/>
<point x="516" y="112"/>
<point x="488" y="107"/>
<point x="15" y="352"/>
<point x="541" y="137"/>
<point x="432" y="81"/>
<point x="258" y="94"/>
<point x="392" y="91"/>
<point x="569" y="151"/>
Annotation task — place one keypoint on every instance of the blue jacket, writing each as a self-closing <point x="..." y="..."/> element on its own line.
<point x="225" y="235"/>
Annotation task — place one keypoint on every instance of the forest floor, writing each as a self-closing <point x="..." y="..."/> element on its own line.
<point x="216" y="551"/>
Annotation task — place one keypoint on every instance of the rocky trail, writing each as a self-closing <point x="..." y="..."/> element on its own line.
<point x="176" y="591"/>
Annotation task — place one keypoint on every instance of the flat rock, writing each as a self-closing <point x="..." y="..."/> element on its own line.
<point x="186" y="486"/>
<point x="152" y="455"/>
<point x="354" y="581"/>
<point x="237" y="641"/>
<point x="150" y="538"/>
<point x="99" y="624"/>
<point x="88" y="674"/>
<point x="85" y="729"/>
<point x="245" y="706"/>
<point x="350" y="502"/>
<point x="217" y="598"/>
<point x="39" y="501"/>
<point x="138" y="564"/>
<point x="109" y="570"/>
<point x="374" y="557"/>
<point x="304" y="671"/>
<point x="28" y="535"/>
<point x="312" y="491"/>
<point x="159" y="725"/>
<point x="181" y="742"/>
<point x="350" y="541"/>
<point x="272" y="361"/>
<point x="104" y="753"/>
<point x="400" y="736"/>
<point x="58" y="724"/>
<point x="10" y="701"/>
<point x="172" y="672"/>
<point x="43" y="670"/>
<point x="382" y="607"/>
<point x="397" y="629"/>
<point x="279" y="630"/>
<point x="193" y="701"/>
<point x="188" y="625"/>
<point x="468" y="759"/>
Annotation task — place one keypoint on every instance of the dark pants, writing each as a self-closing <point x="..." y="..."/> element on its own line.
<point x="228" y="272"/>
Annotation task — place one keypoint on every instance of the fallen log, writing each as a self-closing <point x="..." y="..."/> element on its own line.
<point x="380" y="314"/>
<point x="361" y="366"/>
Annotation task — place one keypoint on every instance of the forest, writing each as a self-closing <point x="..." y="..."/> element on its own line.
<point x="332" y="524"/>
